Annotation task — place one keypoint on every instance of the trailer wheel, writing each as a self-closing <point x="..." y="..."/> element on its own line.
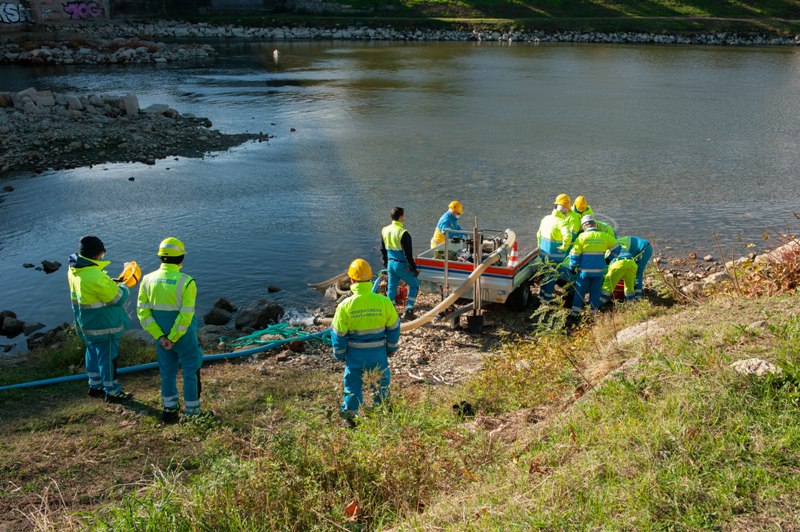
<point x="520" y="298"/>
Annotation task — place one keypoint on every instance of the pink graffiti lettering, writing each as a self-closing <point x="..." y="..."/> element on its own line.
<point x="14" y="13"/>
<point x="83" y="10"/>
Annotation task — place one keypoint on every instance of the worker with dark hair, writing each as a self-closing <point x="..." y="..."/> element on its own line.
<point x="166" y="310"/>
<point x="98" y="303"/>
<point x="398" y="259"/>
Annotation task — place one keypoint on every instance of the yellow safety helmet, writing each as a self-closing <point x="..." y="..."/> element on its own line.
<point x="131" y="273"/>
<point x="563" y="200"/>
<point x="359" y="271"/>
<point x="171" y="247"/>
<point x="455" y="205"/>
<point x="580" y="203"/>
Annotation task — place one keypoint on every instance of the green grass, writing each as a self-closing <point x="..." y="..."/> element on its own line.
<point x="677" y="441"/>
<point x="776" y="17"/>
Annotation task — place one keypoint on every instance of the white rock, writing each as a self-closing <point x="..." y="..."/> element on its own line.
<point x="756" y="366"/>
<point x="131" y="104"/>
<point x="648" y="329"/>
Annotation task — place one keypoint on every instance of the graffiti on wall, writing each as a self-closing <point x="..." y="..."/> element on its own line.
<point x="83" y="10"/>
<point x="14" y="13"/>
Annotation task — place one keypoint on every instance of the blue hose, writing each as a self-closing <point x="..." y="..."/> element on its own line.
<point x="154" y="365"/>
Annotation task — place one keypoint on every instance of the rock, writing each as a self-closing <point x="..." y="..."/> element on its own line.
<point x="694" y="289"/>
<point x="6" y="314"/>
<point x="44" y="99"/>
<point x="31" y="328"/>
<point x="131" y="104"/>
<point x="8" y="188"/>
<point x="715" y="278"/>
<point x="50" y="266"/>
<point x="12" y="327"/>
<point x="258" y="315"/>
<point x="217" y="316"/>
<point x="272" y="289"/>
<point x="693" y="256"/>
<point x="225" y="305"/>
<point x="756" y="366"/>
<point x="36" y="339"/>
<point x="264" y="368"/>
<point x="211" y="334"/>
<point x="283" y="356"/>
<point x="131" y="179"/>
<point x="640" y="331"/>
<point x="73" y="103"/>
<point x="140" y="336"/>
<point x="28" y="265"/>
<point x="156" y="109"/>
<point x="296" y="346"/>
<point x="708" y="258"/>
<point x="5" y="101"/>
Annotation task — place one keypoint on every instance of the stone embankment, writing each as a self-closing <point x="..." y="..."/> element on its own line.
<point x="80" y="51"/>
<point x="179" y="30"/>
<point x="40" y="130"/>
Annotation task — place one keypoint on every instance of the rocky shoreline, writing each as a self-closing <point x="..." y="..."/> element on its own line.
<point x="171" y="29"/>
<point x="82" y="51"/>
<point x="42" y="130"/>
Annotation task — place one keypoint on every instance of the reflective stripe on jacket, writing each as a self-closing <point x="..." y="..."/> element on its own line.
<point x="364" y="327"/>
<point x="634" y="245"/>
<point x="166" y="304"/>
<point x="97" y="301"/>
<point x="554" y="236"/>
<point x="589" y="252"/>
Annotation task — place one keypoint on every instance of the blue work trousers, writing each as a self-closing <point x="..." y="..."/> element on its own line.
<point x="550" y="276"/>
<point x="101" y="366"/>
<point x="641" y="264"/>
<point x="190" y="362"/>
<point x="354" y="382"/>
<point x="399" y="270"/>
<point x="587" y="283"/>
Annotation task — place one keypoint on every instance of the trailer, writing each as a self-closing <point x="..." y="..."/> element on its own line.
<point x="446" y="267"/>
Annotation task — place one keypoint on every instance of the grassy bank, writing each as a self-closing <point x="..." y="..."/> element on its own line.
<point x="658" y="16"/>
<point x="675" y="439"/>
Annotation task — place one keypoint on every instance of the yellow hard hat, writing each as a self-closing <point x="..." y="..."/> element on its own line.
<point x="455" y="205"/>
<point x="359" y="271"/>
<point x="131" y="273"/>
<point x="171" y="247"/>
<point x="580" y="203"/>
<point x="563" y="200"/>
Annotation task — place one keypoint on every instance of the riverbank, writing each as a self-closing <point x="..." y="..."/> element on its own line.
<point x="41" y="130"/>
<point x="638" y="420"/>
<point x="372" y="30"/>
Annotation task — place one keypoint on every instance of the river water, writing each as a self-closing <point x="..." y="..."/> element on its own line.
<point x="672" y="143"/>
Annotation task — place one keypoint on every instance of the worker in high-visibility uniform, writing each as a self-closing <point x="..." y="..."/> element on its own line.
<point x="398" y="259"/>
<point x="623" y="267"/>
<point x="642" y="251"/>
<point x="449" y="220"/>
<point x="98" y="303"/>
<point x="365" y="332"/>
<point x="588" y="257"/>
<point x="166" y="310"/>
<point x="554" y="238"/>
<point x="580" y="208"/>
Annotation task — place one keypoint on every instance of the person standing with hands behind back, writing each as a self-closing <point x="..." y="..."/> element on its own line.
<point x="166" y="310"/>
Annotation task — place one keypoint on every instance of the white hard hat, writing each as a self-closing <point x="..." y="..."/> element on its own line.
<point x="588" y="219"/>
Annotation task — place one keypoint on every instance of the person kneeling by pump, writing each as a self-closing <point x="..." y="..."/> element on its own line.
<point x="623" y="267"/>
<point x="166" y="310"/>
<point x="365" y="332"/>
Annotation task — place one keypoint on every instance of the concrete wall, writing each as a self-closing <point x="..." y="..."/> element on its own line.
<point x="21" y="14"/>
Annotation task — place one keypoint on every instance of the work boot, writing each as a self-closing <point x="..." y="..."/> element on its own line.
<point x="96" y="392"/>
<point x="118" y="397"/>
<point x="170" y="415"/>
<point x="408" y="315"/>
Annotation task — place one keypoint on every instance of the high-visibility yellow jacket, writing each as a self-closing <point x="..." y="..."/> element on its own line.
<point x="97" y="301"/>
<point x="365" y="327"/>
<point x="166" y="305"/>
<point x="589" y="252"/>
<point x="554" y="236"/>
